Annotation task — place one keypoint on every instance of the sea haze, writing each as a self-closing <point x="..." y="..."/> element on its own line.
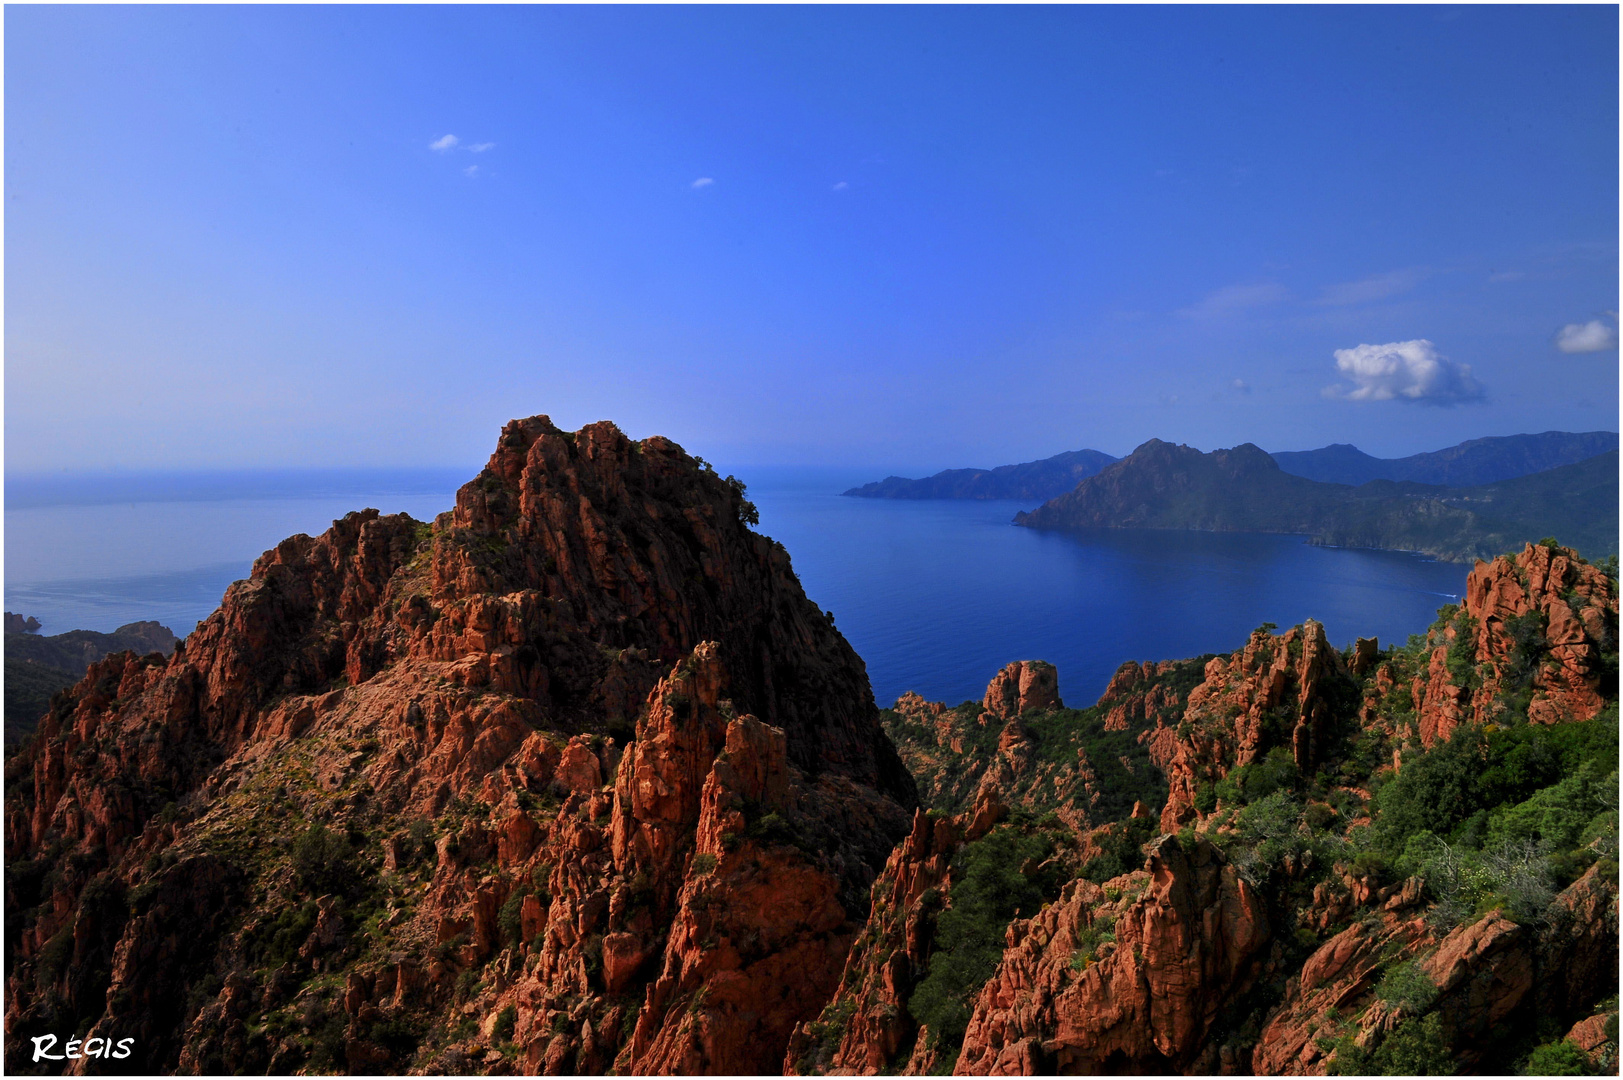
<point x="934" y="595"/>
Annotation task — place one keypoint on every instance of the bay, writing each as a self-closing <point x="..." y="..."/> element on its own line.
<point x="935" y="596"/>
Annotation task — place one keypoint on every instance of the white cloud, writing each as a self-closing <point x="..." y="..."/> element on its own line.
<point x="481" y="147"/>
<point x="444" y="143"/>
<point x="841" y="186"/>
<point x="1592" y="336"/>
<point x="1241" y="386"/>
<point x="702" y="182"/>
<point x="1403" y="371"/>
<point x="1364" y="290"/>
<point x="471" y="171"/>
<point x="1233" y="299"/>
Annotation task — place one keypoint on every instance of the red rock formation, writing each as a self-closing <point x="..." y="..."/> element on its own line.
<point x="1570" y="610"/>
<point x="583" y="749"/>
<point x="1188" y="935"/>
<point x="1022" y="686"/>
<point x="1275" y="691"/>
<point x="1486" y="973"/>
<point x="866" y="1027"/>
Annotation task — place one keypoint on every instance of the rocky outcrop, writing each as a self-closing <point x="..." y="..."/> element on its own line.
<point x="1025" y="685"/>
<point x="1481" y="978"/>
<point x="17" y="624"/>
<point x="1022" y="742"/>
<point x="1541" y="626"/>
<point x="1290" y="690"/>
<point x="574" y="778"/>
<point x="1189" y="937"/>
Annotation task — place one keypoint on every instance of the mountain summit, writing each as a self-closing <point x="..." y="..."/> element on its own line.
<point x="581" y="751"/>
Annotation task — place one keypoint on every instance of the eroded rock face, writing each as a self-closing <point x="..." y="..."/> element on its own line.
<point x="1185" y="947"/>
<point x="1487" y="973"/>
<point x="1023" y="686"/>
<point x="585" y="745"/>
<point x="1543" y="591"/>
<point x="1280" y="690"/>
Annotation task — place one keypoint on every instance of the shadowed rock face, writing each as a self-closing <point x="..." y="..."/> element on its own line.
<point x="582" y="749"/>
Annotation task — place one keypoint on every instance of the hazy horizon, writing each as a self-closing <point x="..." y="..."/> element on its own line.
<point x="27" y="487"/>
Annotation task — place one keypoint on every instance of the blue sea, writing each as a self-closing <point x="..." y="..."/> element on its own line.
<point x="935" y="596"/>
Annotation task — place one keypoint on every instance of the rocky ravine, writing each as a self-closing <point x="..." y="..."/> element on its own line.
<point x="574" y="779"/>
<point x="577" y="780"/>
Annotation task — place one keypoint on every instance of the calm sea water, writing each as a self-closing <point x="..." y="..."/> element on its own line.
<point x="935" y="596"/>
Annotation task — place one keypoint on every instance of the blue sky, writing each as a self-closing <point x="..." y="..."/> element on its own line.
<point x="916" y="237"/>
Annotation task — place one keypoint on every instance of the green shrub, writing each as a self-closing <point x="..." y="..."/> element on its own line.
<point x="1560" y="813"/>
<point x="323" y="861"/>
<point x="1407" y="986"/>
<point x="506" y="1020"/>
<point x="510" y="920"/>
<point x="1249" y="783"/>
<point x="397" y="1035"/>
<point x="1415" y="1048"/>
<point x="1089" y="938"/>
<point x="1563" y="1058"/>
<point x="1441" y="790"/>
<point x="1122" y="850"/>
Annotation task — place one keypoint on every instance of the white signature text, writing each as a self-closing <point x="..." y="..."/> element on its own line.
<point x="90" y="1048"/>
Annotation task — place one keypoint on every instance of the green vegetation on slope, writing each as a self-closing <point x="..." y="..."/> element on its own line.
<point x="995" y="879"/>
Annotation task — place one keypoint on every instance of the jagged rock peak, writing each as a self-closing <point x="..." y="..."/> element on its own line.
<point x="587" y="702"/>
<point x="1021" y="686"/>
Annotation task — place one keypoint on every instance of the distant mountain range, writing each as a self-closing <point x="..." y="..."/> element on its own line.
<point x="1479" y="461"/>
<point x="1037" y="481"/>
<point x="1472" y="463"/>
<point x="1163" y="486"/>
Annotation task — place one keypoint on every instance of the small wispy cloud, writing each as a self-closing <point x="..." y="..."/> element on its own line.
<point x="444" y="143"/>
<point x="1412" y="371"/>
<point x="1592" y="336"/>
<point x="1240" y="386"/>
<point x="1497" y="276"/>
<point x="702" y="182"/>
<point x="841" y="186"/>
<point x="481" y="147"/>
<point x="1364" y="290"/>
<point x="1233" y="299"/>
<point x="471" y="171"/>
